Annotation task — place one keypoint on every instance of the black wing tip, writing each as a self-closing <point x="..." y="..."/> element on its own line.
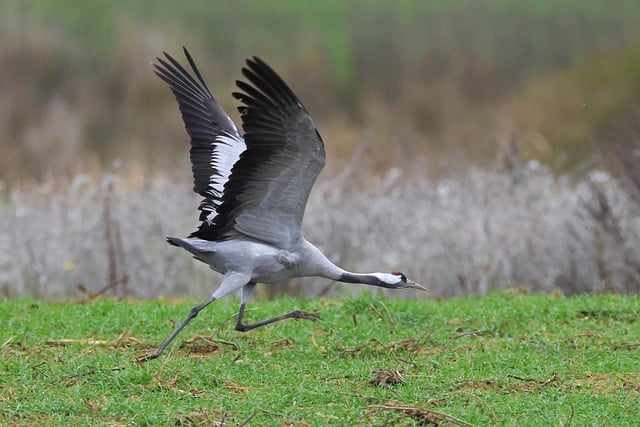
<point x="257" y="67"/>
<point x="162" y="61"/>
<point x="168" y="56"/>
<point x="262" y="78"/>
<point x="237" y="95"/>
<point x="175" y="64"/>
<point x="243" y="96"/>
<point x="255" y="60"/>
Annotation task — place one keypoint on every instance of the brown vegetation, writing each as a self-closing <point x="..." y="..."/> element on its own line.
<point x="457" y="83"/>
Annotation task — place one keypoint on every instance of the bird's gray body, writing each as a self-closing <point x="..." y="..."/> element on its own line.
<point x="258" y="262"/>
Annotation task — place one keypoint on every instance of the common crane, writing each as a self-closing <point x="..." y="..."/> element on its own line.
<point x="255" y="188"/>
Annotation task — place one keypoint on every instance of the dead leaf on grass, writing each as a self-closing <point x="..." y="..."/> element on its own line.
<point x="386" y="376"/>
<point x="456" y="321"/>
<point x="234" y="387"/>
<point x="437" y="402"/>
<point x="421" y="416"/>
<point x="202" y="346"/>
<point x="203" y="417"/>
<point x="409" y="345"/>
<point x="15" y="348"/>
<point x="484" y="385"/>
<point x="460" y="334"/>
<point x="321" y="349"/>
<point x="196" y="393"/>
<point x="531" y="384"/>
<point x="352" y="351"/>
<point x="277" y="345"/>
<point x="124" y="340"/>
<point x="172" y="384"/>
<point x="610" y="382"/>
<point x="96" y="405"/>
<point x="627" y="346"/>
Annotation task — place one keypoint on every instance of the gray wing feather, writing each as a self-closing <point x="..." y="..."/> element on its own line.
<point x="267" y="191"/>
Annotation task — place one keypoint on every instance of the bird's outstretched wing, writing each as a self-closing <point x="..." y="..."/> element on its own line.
<point x="269" y="185"/>
<point x="215" y="142"/>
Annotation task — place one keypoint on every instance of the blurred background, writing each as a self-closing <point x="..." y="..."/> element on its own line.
<point x="472" y="144"/>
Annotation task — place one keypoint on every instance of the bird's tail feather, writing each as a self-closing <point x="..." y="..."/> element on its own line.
<point x="175" y="241"/>
<point x="195" y="246"/>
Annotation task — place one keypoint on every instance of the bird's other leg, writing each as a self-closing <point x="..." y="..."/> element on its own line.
<point x="193" y="313"/>
<point x="246" y="293"/>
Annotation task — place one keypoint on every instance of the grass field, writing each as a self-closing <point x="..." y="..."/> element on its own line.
<point x="504" y="359"/>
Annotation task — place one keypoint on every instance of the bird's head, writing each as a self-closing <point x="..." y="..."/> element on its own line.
<point x="397" y="280"/>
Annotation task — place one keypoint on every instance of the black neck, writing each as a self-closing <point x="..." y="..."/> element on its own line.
<point x="360" y="278"/>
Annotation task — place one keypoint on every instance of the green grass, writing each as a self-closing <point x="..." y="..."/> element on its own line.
<point x="505" y="359"/>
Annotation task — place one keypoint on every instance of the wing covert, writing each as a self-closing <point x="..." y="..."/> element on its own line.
<point x="269" y="185"/>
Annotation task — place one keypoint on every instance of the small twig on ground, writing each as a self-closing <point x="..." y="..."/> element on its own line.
<point x="627" y="346"/>
<point x="124" y="340"/>
<point x="420" y="415"/>
<point x="7" y="342"/>
<point x="209" y="340"/>
<point x="471" y="333"/>
<point x="531" y="384"/>
<point x="245" y="422"/>
<point x="573" y="410"/>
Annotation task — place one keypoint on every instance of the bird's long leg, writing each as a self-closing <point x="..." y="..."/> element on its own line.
<point x="246" y="292"/>
<point x="193" y="313"/>
<point x="296" y="314"/>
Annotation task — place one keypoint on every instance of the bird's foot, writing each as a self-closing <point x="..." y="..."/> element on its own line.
<point x="147" y="357"/>
<point x="297" y="314"/>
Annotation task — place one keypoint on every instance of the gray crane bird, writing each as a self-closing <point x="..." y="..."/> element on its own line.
<point x="255" y="188"/>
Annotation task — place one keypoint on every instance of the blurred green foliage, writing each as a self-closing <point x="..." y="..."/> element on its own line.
<point x="433" y="76"/>
<point x="545" y="33"/>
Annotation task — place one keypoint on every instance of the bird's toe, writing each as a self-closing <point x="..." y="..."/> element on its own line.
<point x="146" y="357"/>
<point x="306" y="315"/>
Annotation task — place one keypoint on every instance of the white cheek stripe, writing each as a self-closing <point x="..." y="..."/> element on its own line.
<point x="388" y="278"/>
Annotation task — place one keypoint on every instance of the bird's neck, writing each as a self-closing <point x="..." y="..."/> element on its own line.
<point x="321" y="266"/>
<point x="366" y="279"/>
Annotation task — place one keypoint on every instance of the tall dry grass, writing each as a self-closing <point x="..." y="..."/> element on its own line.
<point x="473" y="232"/>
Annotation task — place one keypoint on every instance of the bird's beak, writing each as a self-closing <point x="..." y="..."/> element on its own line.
<point x="414" y="285"/>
